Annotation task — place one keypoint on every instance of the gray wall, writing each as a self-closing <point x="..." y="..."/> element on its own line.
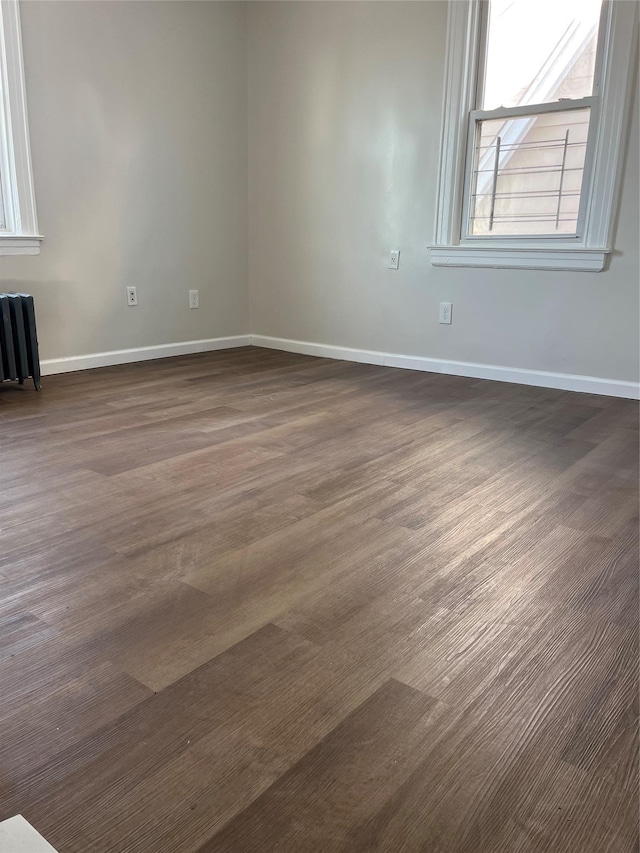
<point x="138" y="119"/>
<point x="344" y="126"/>
<point x="146" y="151"/>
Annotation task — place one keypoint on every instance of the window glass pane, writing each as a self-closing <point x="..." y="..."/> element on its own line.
<point x="2" y="220"/>
<point x="539" y="51"/>
<point x="3" y="163"/>
<point x="527" y="174"/>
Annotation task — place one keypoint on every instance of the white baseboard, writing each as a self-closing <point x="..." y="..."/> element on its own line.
<point x="126" y="356"/>
<point x="538" y="378"/>
<point x="321" y="350"/>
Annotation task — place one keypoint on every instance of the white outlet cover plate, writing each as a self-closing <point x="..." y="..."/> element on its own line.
<point x="394" y="259"/>
<point x="444" y="316"/>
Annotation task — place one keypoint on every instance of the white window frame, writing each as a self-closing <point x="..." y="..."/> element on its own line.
<point x="610" y="107"/>
<point x="20" y="234"/>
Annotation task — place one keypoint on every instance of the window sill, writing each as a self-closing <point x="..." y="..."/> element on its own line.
<point x="525" y="258"/>
<point x="15" y="245"/>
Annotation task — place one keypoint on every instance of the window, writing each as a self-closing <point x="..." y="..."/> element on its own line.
<point x="536" y="106"/>
<point x="18" y="223"/>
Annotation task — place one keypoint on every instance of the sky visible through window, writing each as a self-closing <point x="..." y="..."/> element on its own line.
<point x="534" y="51"/>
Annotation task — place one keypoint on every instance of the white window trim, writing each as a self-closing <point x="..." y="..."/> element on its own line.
<point x="20" y="237"/>
<point x="618" y="38"/>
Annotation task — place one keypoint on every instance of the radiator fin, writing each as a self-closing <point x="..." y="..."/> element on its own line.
<point x="19" y="357"/>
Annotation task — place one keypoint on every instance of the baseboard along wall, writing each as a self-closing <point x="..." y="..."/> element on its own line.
<point x="538" y="378"/>
<point x="50" y="366"/>
<point x="473" y="370"/>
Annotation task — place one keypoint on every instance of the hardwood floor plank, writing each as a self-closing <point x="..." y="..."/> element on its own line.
<point x="63" y="714"/>
<point x="122" y="757"/>
<point x="343" y="779"/>
<point x="252" y="600"/>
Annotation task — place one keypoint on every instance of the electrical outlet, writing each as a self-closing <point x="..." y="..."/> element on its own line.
<point x="445" y="313"/>
<point x="132" y="296"/>
<point x="394" y="259"/>
<point x="194" y="299"/>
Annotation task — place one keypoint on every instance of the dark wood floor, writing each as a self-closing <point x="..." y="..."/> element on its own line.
<point x="254" y="601"/>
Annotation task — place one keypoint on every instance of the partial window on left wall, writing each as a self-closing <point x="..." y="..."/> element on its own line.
<point x="18" y="222"/>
